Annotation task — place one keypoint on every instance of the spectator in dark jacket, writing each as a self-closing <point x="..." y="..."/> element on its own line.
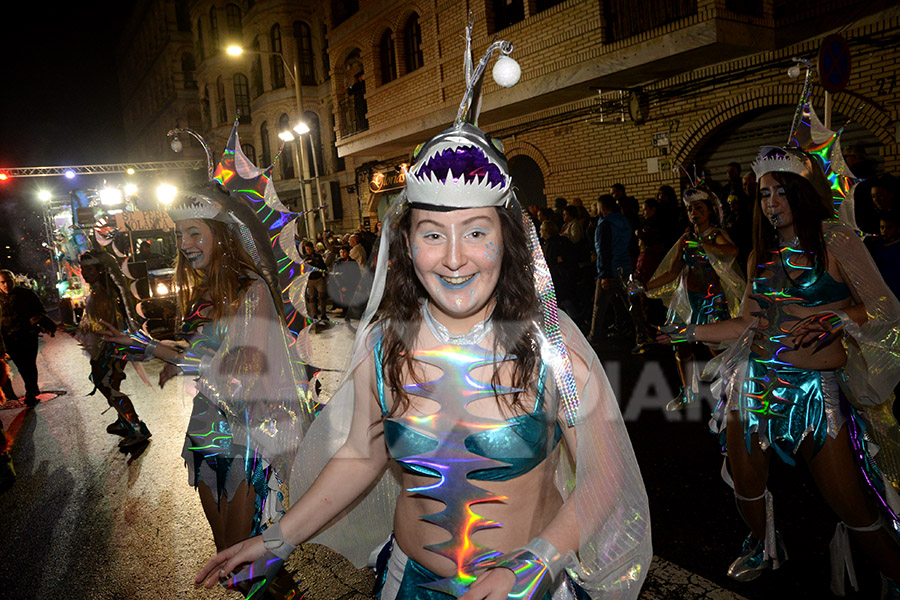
<point x="22" y="318"/>
<point x="612" y="241"/>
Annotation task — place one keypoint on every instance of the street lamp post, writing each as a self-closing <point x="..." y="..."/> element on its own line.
<point x="286" y="136"/>
<point x="302" y="128"/>
<point x="293" y="72"/>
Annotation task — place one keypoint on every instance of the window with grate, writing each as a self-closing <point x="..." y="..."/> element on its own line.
<point x="201" y="51"/>
<point x="233" y="22"/>
<point x="623" y="20"/>
<point x="213" y="31"/>
<point x="275" y="62"/>
<point x="187" y="68"/>
<point x="387" y="57"/>
<point x="206" y="111"/>
<point x="221" y="109"/>
<point x="249" y="152"/>
<point x="264" y="145"/>
<point x="182" y="17"/>
<point x="412" y="40"/>
<point x="303" y="37"/>
<point x="242" y="97"/>
<point x="326" y="61"/>
<point x="337" y="206"/>
<point x="287" y="153"/>
<point x="507" y="12"/>
<point x="256" y="78"/>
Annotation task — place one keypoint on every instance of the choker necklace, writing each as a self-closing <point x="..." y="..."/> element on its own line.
<point x="443" y="335"/>
<point x="794" y="242"/>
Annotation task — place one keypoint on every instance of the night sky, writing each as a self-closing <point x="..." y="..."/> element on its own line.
<point x="60" y="106"/>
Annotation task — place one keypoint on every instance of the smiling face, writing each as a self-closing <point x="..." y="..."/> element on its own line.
<point x="775" y="207"/>
<point x="457" y="256"/>
<point x="195" y="240"/>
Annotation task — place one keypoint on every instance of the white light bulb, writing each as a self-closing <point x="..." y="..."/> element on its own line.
<point x="794" y="72"/>
<point x="176" y="145"/>
<point x="506" y="72"/>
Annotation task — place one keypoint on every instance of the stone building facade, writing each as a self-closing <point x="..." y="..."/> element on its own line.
<point x="156" y="69"/>
<point x="278" y="38"/>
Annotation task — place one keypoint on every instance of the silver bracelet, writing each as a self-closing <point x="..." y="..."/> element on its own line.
<point x="690" y="332"/>
<point x="275" y="543"/>
<point x="150" y="350"/>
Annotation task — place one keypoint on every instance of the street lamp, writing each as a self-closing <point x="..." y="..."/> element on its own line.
<point x="235" y="50"/>
<point x="302" y="128"/>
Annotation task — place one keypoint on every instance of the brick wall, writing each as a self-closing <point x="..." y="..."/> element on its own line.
<point x="580" y="156"/>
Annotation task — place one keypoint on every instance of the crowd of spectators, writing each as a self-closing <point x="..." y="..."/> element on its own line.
<point x="602" y="246"/>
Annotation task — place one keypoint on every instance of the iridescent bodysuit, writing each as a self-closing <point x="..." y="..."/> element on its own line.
<point x="458" y="447"/>
<point x="782" y="403"/>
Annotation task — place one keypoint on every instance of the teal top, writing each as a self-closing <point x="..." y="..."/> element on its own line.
<point x="521" y="443"/>
<point x="814" y="289"/>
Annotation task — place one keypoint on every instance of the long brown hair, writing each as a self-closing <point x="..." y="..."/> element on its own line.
<point x="808" y="210"/>
<point x="515" y="309"/>
<point x="225" y="278"/>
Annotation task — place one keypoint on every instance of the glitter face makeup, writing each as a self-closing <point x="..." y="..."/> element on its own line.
<point x="456" y="256"/>
<point x="194" y="239"/>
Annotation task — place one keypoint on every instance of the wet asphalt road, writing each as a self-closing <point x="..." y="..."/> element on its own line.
<point x="86" y="521"/>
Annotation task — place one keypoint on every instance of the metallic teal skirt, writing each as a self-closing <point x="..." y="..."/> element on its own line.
<point x="801" y="404"/>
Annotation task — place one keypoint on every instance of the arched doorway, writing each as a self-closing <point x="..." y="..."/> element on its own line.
<point x="528" y="179"/>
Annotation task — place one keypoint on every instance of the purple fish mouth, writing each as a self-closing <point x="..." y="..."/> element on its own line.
<point x="467" y="162"/>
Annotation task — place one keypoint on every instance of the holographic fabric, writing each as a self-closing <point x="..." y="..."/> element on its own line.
<point x="522" y="441"/>
<point x="720" y="281"/>
<point x="808" y="404"/>
<point x="414" y="579"/>
<point x="873" y="352"/>
<point x="252" y="407"/>
<point x="604" y="496"/>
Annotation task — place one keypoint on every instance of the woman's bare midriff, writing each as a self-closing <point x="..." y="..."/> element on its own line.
<point x="532" y="500"/>
<point x="831" y="356"/>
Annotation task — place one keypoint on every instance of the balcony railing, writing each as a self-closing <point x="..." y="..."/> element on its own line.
<point x="625" y="18"/>
<point x="353" y="115"/>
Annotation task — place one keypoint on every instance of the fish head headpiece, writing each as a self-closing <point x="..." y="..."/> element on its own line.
<point x="461" y="167"/>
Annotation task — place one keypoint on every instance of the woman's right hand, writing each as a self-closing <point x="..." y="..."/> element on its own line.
<point x="110" y="333"/>
<point x="228" y="561"/>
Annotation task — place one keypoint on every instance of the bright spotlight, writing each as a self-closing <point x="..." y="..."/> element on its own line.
<point x="70" y="174"/>
<point x="44" y="196"/>
<point x="166" y="193"/>
<point x="286" y="136"/>
<point x="301" y="128"/>
<point x="130" y="189"/>
<point x="110" y="196"/>
<point x="234" y="50"/>
<point x="130" y="171"/>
